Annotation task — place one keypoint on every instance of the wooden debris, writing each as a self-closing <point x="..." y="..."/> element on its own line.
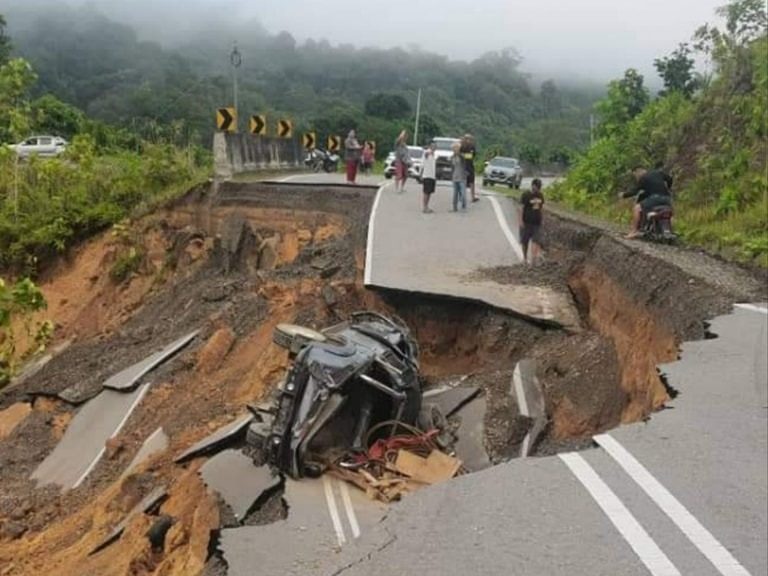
<point x="435" y="468"/>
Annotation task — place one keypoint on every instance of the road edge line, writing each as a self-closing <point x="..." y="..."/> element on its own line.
<point x="522" y="405"/>
<point x="708" y="545"/>
<point x="95" y="461"/>
<point x="333" y="510"/>
<point x="369" y="242"/>
<point x="650" y="554"/>
<point x="511" y="238"/>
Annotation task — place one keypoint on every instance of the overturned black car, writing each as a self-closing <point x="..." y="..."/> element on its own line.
<point x="348" y="385"/>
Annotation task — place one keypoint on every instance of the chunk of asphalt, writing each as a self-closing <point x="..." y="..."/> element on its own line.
<point x="239" y="483"/>
<point x="469" y="447"/>
<point x="129" y="378"/>
<point x="527" y="391"/>
<point x="158" y="530"/>
<point x="146" y="505"/>
<point x="450" y="400"/>
<point x="157" y="442"/>
<point x="218" y="439"/>
<point x="83" y="443"/>
<point x="307" y="535"/>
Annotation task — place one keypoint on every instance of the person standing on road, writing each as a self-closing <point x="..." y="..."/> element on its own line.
<point x="459" y="178"/>
<point x="352" y="156"/>
<point x="469" y="152"/>
<point x="531" y="217"/>
<point x="428" y="177"/>
<point x="402" y="161"/>
<point x="367" y="158"/>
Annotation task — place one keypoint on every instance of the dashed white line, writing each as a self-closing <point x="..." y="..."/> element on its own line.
<point x="350" y="509"/>
<point x="369" y="245"/>
<point x="753" y="308"/>
<point x="511" y="238"/>
<point x="707" y="544"/>
<point x="644" y="546"/>
<point x="95" y="461"/>
<point x="334" y="511"/>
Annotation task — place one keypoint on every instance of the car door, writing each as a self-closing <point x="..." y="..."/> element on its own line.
<point x="26" y="148"/>
<point x="46" y="146"/>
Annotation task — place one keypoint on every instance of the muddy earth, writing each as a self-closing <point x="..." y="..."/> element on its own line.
<point x="234" y="261"/>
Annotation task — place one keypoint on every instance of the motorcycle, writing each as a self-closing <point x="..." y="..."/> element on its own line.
<point x="318" y="159"/>
<point x="657" y="225"/>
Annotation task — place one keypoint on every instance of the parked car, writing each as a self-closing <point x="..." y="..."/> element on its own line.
<point x="46" y="146"/>
<point x="414" y="171"/>
<point x="502" y="170"/>
<point x="443" y="153"/>
<point x="343" y="382"/>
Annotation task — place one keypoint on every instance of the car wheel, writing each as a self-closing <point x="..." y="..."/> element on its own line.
<point x="293" y="337"/>
<point x="387" y="175"/>
<point x="485" y="182"/>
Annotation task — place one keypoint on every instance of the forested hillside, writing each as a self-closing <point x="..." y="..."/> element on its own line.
<point x="101" y="67"/>
<point x="709" y="132"/>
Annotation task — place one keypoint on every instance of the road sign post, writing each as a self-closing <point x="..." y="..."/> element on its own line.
<point x="284" y="128"/>
<point x="258" y="125"/>
<point x="308" y="140"/>
<point x="226" y="119"/>
<point x="236" y="60"/>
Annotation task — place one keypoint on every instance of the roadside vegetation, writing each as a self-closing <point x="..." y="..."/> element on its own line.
<point x="710" y="132"/>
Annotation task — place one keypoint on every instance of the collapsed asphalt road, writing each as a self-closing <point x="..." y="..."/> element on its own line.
<point x="238" y="263"/>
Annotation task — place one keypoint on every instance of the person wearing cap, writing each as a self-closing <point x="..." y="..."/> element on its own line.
<point x="468" y="152"/>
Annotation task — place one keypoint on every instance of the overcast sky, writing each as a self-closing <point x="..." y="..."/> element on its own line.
<point x="596" y="39"/>
<point x="588" y="37"/>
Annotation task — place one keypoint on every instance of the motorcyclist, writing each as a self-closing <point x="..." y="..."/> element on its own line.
<point x="653" y="189"/>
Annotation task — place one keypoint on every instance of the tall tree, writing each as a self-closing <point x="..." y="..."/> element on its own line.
<point x="626" y="99"/>
<point x="676" y="70"/>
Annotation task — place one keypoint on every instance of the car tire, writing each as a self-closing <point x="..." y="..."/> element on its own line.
<point x="485" y="182"/>
<point x="387" y="175"/>
<point x="293" y="337"/>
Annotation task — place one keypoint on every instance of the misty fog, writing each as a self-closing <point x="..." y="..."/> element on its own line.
<point x="589" y="39"/>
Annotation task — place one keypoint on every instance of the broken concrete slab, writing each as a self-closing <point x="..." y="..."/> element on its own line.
<point x="157" y="442"/>
<point x="527" y="391"/>
<point x="129" y="378"/>
<point x="470" y="448"/>
<point x="449" y="400"/>
<point x="83" y="443"/>
<point x="147" y="504"/>
<point x="239" y="483"/>
<point x="222" y="436"/>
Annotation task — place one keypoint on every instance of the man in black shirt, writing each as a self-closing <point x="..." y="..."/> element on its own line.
<point x="531" y="216"/>
<point x="652" y="189"/>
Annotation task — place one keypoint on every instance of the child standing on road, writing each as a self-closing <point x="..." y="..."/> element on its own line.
<point x="459" y="178"/>
<point x="428" y="177"/>
<point x="531" y="217"/>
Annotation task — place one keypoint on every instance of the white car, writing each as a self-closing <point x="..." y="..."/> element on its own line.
<point x="44" y="146"/>
<point x="502" y="170"/>
<point x="443" y="154"/>
<point x="416" y="154"/>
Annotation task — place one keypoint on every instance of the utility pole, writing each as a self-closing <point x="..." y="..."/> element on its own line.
<point x="236" y="60"/>
<point x="591" y="129"/>
<point x="418" y="113"/>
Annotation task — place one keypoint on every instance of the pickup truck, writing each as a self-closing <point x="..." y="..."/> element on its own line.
<point x="443" y="153"/>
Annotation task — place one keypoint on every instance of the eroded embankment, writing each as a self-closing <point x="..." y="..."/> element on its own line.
<point x="235" y="264"/>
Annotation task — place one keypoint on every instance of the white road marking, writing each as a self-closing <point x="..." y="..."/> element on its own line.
<point x="511" y="238"/>
<point x="644" y="546"/>
<point x="707" y="544"/>
<point x="291" y="177"/>
<point x="350" y="509"/>
<point x="334" y="511"/>
<point x="95" y="461"/>
<point x="517" y="380"/>
<point x="753" y="308"/>
<point x="369" y="245"/>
